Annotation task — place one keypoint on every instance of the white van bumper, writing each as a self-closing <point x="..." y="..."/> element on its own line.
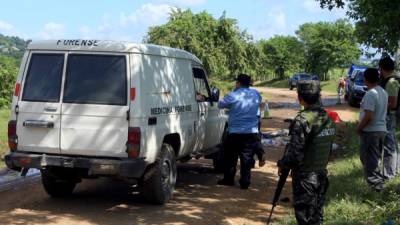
<point x="129" y="168"/>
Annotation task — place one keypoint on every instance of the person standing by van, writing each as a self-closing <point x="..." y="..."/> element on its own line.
<point x="391" y="86"/>
<point x="243" y="132"/>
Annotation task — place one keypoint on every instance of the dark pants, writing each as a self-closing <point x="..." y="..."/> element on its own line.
<point x="390" y="148"/>
<point x="309" y="189"/>
<point x="240" y="146"/>
<point x="371" y="147"/>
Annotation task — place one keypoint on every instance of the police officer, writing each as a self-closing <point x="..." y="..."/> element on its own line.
<point x="307" y="153"/>
<point x="243" y="131"/>
<point x="391" y="86"/>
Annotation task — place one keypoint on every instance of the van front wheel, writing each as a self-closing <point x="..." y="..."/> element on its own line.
<point x="57" y="187"/>
<point x="159" y="181"/>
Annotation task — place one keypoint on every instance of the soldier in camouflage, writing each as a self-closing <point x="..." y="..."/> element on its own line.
<point x="312" y="133"/>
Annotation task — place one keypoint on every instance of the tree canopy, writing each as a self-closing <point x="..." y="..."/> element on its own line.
<point x="328" y="45"/>
<point x="283" y="53"/>
<point x="222" y="46"/>
<point x="226" y="50"/>
<point x="376" y="21"/>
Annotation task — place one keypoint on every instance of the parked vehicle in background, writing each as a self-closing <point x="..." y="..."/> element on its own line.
<point x="353" y="68"/>
<point x="355" y="89"/>
<point x="300" y="76"/>
<point x="88" y="109"/>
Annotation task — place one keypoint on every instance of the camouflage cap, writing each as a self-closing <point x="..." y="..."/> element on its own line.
<point x="308" y="87"/>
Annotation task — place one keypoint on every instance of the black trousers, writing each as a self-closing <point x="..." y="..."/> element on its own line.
<point x="240" y="146"/>
<point x="309" y="189"/>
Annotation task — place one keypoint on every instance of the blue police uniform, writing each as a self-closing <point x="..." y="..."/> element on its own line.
<point x="243" y="104"/>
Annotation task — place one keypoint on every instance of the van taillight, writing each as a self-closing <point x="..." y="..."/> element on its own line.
<point x="17" y="89"/>
<point x="133" y="144"/>
<point x="12" y="135"/>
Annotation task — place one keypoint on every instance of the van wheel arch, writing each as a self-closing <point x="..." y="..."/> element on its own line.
<point x="174" y="140"/>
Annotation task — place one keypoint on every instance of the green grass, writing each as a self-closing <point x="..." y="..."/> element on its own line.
<point x="4" y="117"/>
<point x="330" y="86"/>
<point x="349" y="199"/>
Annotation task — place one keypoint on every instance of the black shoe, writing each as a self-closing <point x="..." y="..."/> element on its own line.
<point x="244" y="187"/>
<point x="226" y="182"/>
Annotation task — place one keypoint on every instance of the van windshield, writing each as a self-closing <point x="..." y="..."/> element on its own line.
<point x="43" y="80"/>
<point x="96" y="79"/>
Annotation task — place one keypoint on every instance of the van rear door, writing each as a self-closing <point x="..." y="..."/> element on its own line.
<point x="39" y="108"/>
<point x="95" y="105"/>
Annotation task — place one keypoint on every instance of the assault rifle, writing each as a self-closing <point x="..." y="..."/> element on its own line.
<point x="282" y="180"/>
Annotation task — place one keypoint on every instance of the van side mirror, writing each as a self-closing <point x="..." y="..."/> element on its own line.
<point x="214" y="94"/>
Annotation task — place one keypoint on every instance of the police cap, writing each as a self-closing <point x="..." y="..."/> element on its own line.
<point x="308" y="87"/>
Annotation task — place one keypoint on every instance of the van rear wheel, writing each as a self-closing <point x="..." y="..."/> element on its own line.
<point x="159" y="181"/>
<point x="57" y="187"/>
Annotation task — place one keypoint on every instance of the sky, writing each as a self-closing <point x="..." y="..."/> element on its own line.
<point x="129" y="20"/>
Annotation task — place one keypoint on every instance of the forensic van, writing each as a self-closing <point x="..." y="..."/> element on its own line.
<point x="89" y="108"/>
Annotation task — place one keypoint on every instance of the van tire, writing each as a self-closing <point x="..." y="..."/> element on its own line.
<point x="57" y="187"/>
<point x="159" y="181"/>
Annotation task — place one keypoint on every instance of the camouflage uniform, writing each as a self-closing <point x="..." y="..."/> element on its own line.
<point x="307" y="153"/>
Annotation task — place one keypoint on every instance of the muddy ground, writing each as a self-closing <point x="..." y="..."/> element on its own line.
<point x="197" y="199"/>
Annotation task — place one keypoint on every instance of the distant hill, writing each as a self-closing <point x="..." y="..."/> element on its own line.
<point x="12" y="46"/>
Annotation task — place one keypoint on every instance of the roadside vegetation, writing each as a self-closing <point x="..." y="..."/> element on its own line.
<point x="227" y="50"/>
<point x="4" y="116"/>
<point x="349" y="199"/>
<point x="329" y="85"/>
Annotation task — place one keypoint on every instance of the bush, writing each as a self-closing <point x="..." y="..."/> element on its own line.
<point x="224" y="86"/>
<point x="8" y="73"/>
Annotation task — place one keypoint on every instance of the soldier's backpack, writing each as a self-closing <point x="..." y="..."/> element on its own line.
<point x="383" y="85"/>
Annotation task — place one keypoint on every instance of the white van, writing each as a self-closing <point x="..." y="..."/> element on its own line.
<point x="89" y="108"/>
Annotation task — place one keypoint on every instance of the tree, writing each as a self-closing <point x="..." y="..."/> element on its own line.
<point x="8" y="73"/>
<point x="224" y="49"/>
<point x="284" y="53"/>
<point x="328" y="45"/>
<point x="376" y="21"/>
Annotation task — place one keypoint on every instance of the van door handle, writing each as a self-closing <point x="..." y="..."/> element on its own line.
<point x="50" y="109"/>
<point x="38" y="123"/>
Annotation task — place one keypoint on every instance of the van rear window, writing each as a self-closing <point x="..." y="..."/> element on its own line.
<point x="96" y="79"/>
<point x="43" y="80"/>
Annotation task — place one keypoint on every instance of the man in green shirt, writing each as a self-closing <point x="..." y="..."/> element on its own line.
<point x="391" y="86"/>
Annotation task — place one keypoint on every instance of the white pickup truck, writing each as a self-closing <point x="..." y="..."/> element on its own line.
<point x="89" y="108"/>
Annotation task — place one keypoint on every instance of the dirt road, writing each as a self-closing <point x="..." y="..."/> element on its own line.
<point x="197" y="199"/>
